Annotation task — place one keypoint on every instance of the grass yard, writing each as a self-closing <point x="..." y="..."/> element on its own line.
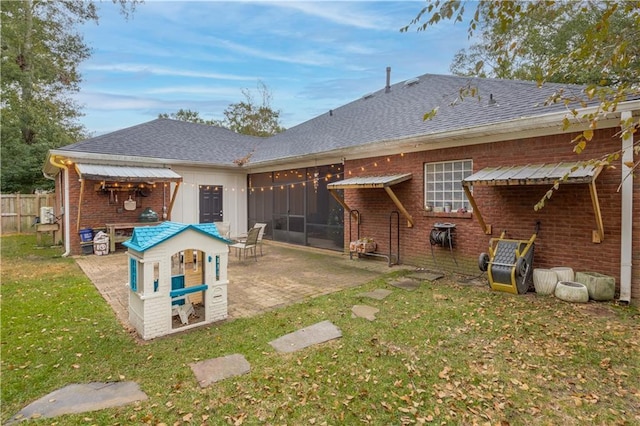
<point x="445" y="353"/>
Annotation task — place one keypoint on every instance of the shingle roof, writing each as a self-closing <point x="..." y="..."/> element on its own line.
<point x="383" y="116"/>
<point x="146" y="237"/>
<point x="380" y="116"/>
<point x="171" y="139"/>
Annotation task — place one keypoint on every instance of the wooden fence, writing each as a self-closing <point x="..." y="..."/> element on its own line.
<point x="19" y="211"/>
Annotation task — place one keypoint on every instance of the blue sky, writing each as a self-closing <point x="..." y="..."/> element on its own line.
<point x="312" y="56"/>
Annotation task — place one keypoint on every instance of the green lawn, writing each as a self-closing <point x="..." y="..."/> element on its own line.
<point x="443" y="354"/>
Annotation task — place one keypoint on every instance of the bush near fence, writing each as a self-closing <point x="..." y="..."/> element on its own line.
<point x="19" y="211"/>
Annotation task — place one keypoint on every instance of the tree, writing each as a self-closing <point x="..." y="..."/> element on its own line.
<point x="190" y="116"/>
<point x="587" y="42"/>
<point x="539" y="40"/>
<point x="41" y="52"/>
<point x="248" y="118"/>
<point x="245" y="117"/>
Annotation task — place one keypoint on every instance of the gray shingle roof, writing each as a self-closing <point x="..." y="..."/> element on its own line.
<point x="380" y="116"/>
<point x="399" y="114"/>
<point x="171" y="139"/>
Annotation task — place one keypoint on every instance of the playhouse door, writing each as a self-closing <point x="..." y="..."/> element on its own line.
<point x="210" y="204"/>
<point x="177" y="282"/>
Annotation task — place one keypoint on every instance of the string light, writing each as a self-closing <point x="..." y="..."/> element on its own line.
<point x="311" y="177"/>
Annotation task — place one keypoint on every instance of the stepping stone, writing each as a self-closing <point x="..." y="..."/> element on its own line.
<point x="364" y="311"/>
<point x="378" y="294"/>
<point x="426" y="275"/>
<point x="80" y="398"/>
<point x="312" y="335"/>
<point x="406" y="284"/>
<point x="213" y="370"/>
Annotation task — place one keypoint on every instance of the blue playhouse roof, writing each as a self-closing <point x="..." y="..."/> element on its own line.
<point x="146" y="237"/>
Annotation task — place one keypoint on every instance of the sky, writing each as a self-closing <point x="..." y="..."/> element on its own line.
<point x="311" y="56"/>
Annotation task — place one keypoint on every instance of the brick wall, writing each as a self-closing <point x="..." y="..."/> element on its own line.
<point x="97" y="210"/>
<point x="567" y="220"/>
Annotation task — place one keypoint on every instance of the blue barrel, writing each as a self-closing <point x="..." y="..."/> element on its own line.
<point x="86" y="235"/>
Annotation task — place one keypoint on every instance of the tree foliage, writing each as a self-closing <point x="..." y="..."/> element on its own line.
<point x="190" y="116"/>
<point x="41" y="51"/>
<point x="587" y="42"/>
<point x="246" y="117"/>
<point x="250" y="118"/>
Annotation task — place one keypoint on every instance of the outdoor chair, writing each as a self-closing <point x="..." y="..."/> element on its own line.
<point x="249" y="244"/>
<point x="262" y="227"/>
<point x="182" y="307"/>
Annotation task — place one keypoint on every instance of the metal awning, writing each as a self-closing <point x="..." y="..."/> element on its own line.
<point x="370" y="181"/>
<point x="363" y="182"/>
<point x="538" y="174"/>
<point x="126" y="173"/>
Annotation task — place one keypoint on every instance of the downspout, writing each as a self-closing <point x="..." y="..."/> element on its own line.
<point x="65" y="213"/>
<point x="626" y="246"/>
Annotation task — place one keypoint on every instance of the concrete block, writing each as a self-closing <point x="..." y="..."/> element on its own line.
<point x="601" y="287"/>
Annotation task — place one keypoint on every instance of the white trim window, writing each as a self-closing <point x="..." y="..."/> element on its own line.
<point x="443" y="185"/>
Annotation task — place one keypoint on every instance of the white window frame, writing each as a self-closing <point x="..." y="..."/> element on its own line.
<point x="443" y="184"/>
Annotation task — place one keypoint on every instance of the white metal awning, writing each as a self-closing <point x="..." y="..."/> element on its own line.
<point x="538" y="174"/>
<point x="370" y="181"/>
<point x="126" y="173"/>
<point x="534" y="174"/>
<point x="364" y="182"/>
<point x="119" y="174"/>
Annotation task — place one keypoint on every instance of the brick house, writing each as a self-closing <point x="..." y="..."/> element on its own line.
<point x="356" y="151"/>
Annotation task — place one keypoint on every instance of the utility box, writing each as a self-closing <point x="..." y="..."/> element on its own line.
<point x="46" y="215"/>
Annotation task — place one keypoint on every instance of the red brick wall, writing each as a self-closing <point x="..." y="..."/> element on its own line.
<point x="567" y="220"/>
<point x="96" y="209"/>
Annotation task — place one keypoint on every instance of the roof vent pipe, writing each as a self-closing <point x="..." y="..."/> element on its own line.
<point x="491" y="100"/>
<point x="387" y="88"/>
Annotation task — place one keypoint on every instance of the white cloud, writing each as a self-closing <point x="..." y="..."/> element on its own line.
<point x="164" y="71"/>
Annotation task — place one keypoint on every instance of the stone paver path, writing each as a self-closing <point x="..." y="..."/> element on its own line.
<point x="280" y="279"/>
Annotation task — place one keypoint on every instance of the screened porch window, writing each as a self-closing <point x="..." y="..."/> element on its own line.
<point x="443" y="184"/>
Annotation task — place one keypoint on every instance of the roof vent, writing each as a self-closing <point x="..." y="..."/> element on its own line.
<point x="491" y="100"/>
<point x="387" y="88"/>
<point x="412" y="81"/>
<point x="367" y="96"/>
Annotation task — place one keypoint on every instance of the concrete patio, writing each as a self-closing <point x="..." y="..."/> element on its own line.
<point x="284" y="275"/>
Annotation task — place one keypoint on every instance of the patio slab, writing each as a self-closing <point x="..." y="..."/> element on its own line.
<point x="286" y="274"/>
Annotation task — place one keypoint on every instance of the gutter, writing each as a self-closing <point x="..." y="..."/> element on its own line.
<point x="65" y="215"/>
<point x="626" y="246"/>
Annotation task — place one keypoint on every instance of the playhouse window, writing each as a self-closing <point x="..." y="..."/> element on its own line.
<point x="133" y="274"/>
<point x="156" y="276"/>
<point x="443" y="184"/>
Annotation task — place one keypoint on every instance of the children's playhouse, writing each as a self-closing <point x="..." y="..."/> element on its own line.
<point x="177" y="277"/>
